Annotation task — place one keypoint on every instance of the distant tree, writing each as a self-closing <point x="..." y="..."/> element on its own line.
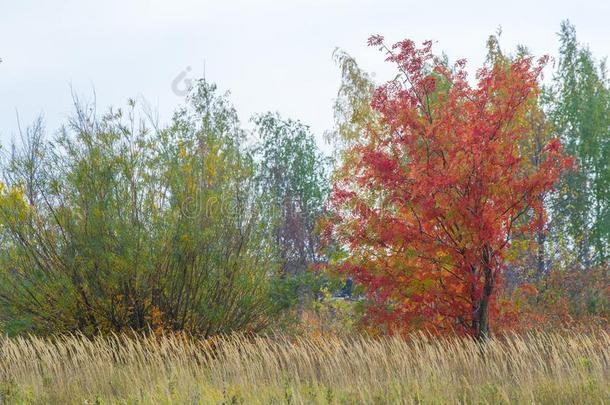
<point x="579" y="105"/>
<point x="293" y="179"/>
<point x="426" y="203"/>
<point x="352" y="107"/>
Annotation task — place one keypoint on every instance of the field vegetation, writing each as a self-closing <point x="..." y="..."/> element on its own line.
<point x="536" y="368"/>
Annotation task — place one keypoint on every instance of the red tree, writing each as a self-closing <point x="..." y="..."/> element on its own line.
<point x="424" y="207"/>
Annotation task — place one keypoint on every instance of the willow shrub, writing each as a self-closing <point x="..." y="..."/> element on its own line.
<point x="113" y="226"/>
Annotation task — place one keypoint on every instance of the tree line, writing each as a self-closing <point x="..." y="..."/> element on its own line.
<point x="453" y="204"/>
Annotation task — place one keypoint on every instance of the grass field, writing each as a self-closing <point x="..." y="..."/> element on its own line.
<point x="537" y="368"/>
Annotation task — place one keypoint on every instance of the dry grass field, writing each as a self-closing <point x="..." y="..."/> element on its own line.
<point x="530" y="369"/>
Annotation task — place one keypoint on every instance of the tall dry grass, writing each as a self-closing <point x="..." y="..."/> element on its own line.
<point x="537" y="368"/>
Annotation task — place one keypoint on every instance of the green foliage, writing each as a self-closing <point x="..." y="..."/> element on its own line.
<point x="293" y="179"/>
<point x="336" y="316"/>
<point x="579" y="105"/>
<point x="293" y="182"/>
<point x="352" y="107"/>
<point x="111" y="226"/>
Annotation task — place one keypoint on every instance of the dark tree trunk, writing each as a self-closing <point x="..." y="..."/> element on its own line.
<point x="541" y="254"/>
<point x="481" y="313"/>
<point x="482" y="320"/>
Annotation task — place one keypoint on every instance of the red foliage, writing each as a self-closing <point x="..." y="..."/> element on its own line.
<point x="566" y="299"/>
<point x="426" y="206"/>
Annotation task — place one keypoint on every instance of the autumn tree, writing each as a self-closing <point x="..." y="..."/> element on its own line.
<point x="426" y="202"/>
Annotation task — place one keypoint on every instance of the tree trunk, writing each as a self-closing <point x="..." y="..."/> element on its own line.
<point x="541" y="266"/>
<point x="541" y="256"/>
<point x="481" y="315"/>
<point x="483" y="319"/>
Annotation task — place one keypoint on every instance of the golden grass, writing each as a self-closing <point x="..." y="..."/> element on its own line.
<point x="538" y="368"/>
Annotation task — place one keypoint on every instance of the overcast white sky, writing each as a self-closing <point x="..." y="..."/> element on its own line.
<point x="271" y="55"/>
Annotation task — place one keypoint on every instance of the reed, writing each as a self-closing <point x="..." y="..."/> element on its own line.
<point x="541" y="368"/>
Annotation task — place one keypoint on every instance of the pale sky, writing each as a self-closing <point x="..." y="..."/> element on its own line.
<point x="271" y="55"/>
